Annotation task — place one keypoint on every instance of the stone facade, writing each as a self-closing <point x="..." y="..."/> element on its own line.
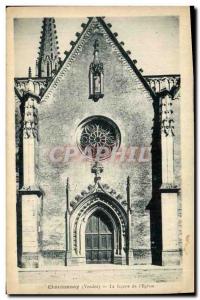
<point x="61" y="195"/>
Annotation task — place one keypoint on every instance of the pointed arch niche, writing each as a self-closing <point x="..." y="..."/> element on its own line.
<point x="108" y="213"/>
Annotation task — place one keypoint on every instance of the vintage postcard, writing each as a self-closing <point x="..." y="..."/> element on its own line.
<point x="100" y="145"/>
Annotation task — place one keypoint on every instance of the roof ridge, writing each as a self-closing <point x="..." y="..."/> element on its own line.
<point x="67" y="53"/>
<point x="78" y="34"/>
<point x="117" y="44"/>
<point x="126" y="54"/>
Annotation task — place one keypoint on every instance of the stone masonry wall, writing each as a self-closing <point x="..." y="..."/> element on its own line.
<point x="129" y="105"/>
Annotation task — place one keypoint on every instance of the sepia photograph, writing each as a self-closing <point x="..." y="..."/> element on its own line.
<point x="100" y="151"/>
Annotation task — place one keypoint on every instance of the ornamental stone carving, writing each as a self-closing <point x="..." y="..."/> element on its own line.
<point x="167" y="116"/>
<point x="97" y="136"/>
<point x="96" y="73"/>
<point x="30" y="123"/>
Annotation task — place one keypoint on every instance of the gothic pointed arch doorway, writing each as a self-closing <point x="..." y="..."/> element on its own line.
<point x="98" y="225"/>
<point x="98" y="231"/>
<point x="99" y="239"/>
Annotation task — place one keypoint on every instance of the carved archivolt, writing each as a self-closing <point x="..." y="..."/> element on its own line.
<point x="99" y="188"/>
<point x="83" y="210"/>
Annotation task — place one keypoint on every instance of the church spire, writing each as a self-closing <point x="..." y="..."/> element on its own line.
<point x="48" y="60"/>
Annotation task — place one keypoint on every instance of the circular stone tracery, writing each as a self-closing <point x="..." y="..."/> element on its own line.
<point x="97" y="136"/>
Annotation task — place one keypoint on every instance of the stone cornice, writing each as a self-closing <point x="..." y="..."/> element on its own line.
<point x="30" y="190"/>
<point x="169" y="188"/>
<point x="164" y="84"/>
<point x="34" y="85"/>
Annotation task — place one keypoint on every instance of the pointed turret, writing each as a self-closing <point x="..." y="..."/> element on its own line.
<point x="48" y="60"/>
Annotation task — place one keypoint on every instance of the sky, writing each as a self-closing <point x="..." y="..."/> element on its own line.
<point x="153" y="41"/>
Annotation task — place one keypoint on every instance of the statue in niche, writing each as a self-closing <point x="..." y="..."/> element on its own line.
<point x="96" y="76"/>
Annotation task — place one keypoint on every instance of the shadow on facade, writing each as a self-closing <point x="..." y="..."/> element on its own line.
<point x="19" y="230"/>
<point x="155" y="204"/>
<point x="20" y="176"/>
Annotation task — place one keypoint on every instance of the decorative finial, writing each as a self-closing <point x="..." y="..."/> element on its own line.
<point x="128" y="180"/>
<point x="128" y="195"/>
<point x="29" y="72"/>
<point x="97" y="169"/>
<point x="72" y="43"/>
<point x="67" y="195"/>
<point x="78" y="34"/>
<point x="67" y="182"/>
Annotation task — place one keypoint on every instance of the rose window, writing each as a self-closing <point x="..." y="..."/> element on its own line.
<point x="97" y="137"/>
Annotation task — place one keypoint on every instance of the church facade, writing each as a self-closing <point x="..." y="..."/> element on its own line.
<point x="97" y="156"/>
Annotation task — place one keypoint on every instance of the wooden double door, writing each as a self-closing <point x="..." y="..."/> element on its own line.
<point x="99" y="239"/>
